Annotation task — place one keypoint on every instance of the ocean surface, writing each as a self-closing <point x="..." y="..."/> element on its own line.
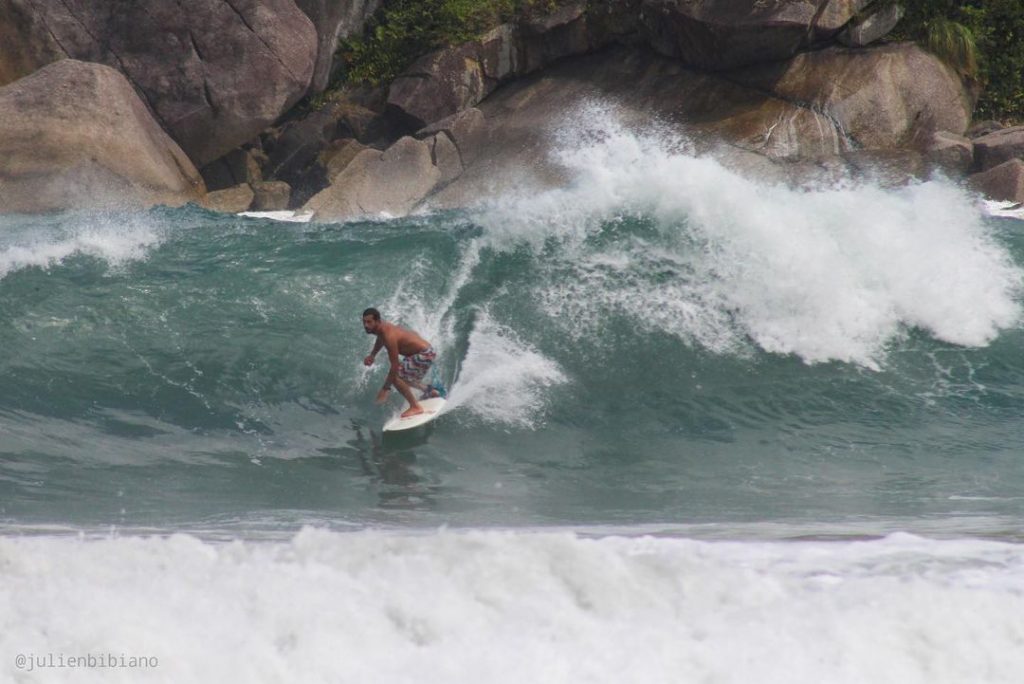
<point x="700" y="429"/>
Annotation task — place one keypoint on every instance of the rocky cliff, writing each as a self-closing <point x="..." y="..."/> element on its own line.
<point x="791" y="90"/>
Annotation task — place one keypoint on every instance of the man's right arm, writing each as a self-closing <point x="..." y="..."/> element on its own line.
<point x="376" y="348"/>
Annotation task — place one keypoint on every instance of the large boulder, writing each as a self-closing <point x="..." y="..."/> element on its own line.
<point x="334" y="20"/>
<point x="999" y="146"/>
<point x="439" y="85"/>
<point x="726" y="34"/>
<point x="378" y="183"/>
<point x="466" y="130"/>
<point x="215" y="72"/>
<point x="949" y="153"/>
<point x="551" y="37"/>
<point x="76" y="135"/>
<point x="1003" y="182"/>
<point x="885" y="97"/>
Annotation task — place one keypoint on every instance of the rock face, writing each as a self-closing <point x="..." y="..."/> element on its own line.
<point x="717" y="35"/>
<point x="230" y="200"/>
<point x="1003" y="182"/>
<point x="857" y="120"/>
<point x="884" y="97"/>
<point x="76" y="135"/>
<point x="890" y="113"/>
<point x="376" y="183"/>
<point x="866" y="30"/>
<point x="761" y="83"/>
<point x="448" y="81"/>
<point x="726" y="34"/>
<point x="950" y="153"/>
<point x="999" y="146"/>
<point x="334" y="19"/>
<point x="23" y="52"/>
<point x="215" y="72"/>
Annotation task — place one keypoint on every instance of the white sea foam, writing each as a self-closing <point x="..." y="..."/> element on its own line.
<point x="834" y="273"/>
<point x="116" y="241"/>
<point x="515" y="607"/>
<point x="503" y="379"/>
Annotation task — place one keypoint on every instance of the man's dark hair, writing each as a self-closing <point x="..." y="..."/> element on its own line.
<point x="372" y="312"/>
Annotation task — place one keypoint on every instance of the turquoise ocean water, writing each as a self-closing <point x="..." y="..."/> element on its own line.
<point x="689" y="413"/>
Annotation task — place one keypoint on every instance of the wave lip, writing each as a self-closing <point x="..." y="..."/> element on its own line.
<point x="826" y="274"/>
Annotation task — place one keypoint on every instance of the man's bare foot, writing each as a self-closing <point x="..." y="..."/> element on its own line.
<point x="412" y="411"/>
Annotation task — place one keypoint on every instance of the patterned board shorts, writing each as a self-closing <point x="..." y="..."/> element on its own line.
<point x="413" y="368"/>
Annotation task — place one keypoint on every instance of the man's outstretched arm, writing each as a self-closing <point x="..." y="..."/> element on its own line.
<point x="376" y="348"/>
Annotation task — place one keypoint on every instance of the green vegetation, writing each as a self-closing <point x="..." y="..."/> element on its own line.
<point x="405" y="29"/>
<point x="982" y="39"/>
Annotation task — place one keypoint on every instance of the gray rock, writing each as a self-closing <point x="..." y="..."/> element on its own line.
<point x="551" y="37"/>
<point x="726" y="34"/>
<point x="20" y="56"/>
<point x="271" y="196"/>
<point x="999" y="146"/>
<point x="446" y="158"/>
<point x="214" y="72"/>
<point x="1003" y="182"/>
<point x="508" y="147"/>
<point x="948" y="152"/>
<point x="338" y="155"/>
<point x="980" y="128"/>
<point x="375" y="183"/>
<point x="298" y="143"/>
<point x="885" y="97"/>
<point x="615" y="21"/>
<point x="835" y="15"/>
<point x="230" y="200"/>
<point x="334" y="20"/>
<point x="499" y="55"/>
<point x="439" y="85"/>
<point x="770" y="138"/>
<point x="450" y="80"/>
<point x="76" y="135"/>
<point x="876" y="25"/>
<point x="239" y="166"/>
<point x="467" y="130"/>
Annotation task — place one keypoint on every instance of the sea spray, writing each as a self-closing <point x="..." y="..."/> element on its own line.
<point x="831" y="273"/>
<point x="116" y="239"/>
<point x="503" y="379"/>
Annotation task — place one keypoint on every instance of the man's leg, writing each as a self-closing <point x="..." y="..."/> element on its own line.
<point x="406" y="391"/>
<point x="412" y="371"/>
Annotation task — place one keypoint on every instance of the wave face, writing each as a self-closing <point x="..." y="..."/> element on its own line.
<point x="663" y="341"/>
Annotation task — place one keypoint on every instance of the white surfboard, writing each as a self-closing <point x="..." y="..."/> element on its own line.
<point x="432" y="408"/>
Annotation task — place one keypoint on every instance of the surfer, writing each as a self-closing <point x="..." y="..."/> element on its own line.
<point x="417" y="355"/>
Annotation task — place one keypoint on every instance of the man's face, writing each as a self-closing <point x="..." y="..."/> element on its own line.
<point x="370" y="325"/>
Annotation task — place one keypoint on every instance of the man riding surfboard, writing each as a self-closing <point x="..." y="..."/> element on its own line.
<point x="418" y="357"/>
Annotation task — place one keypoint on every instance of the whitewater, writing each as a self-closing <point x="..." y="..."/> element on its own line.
<point x="702" y="428"/>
